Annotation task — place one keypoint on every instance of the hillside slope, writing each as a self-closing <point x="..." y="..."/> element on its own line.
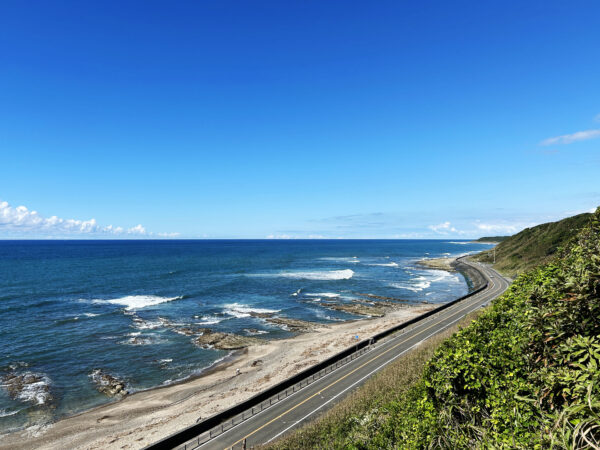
<point x="493" y="239"/>
<point x="523" y="375"/>
<point x="533" y="246"/>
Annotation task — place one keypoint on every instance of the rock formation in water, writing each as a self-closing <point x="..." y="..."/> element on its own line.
<point x="108" y="384"/>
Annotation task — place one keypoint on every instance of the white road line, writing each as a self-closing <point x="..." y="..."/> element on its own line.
<point x="358" y="381"/>
<point x="492" y="292"/>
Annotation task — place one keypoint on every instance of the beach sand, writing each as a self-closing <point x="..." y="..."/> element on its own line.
<point x="145" y="417"/>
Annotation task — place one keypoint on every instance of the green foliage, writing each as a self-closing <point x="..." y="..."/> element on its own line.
<point x="492" y="239"/>
<point x="525" y="374"/>
<point x="534" y="246"/>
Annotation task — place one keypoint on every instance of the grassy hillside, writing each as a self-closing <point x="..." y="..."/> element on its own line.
<point x="492" y="239"/>
<point x="533" y="246"/>
<point x="525" y="374"/>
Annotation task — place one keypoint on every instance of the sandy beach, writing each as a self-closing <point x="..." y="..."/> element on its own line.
<point x="148" y="416"/>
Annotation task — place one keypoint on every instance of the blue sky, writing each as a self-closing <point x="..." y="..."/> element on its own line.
<point x="225" y="119"/>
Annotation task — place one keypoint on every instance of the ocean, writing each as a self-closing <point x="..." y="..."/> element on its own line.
<point x="68" y="308"/>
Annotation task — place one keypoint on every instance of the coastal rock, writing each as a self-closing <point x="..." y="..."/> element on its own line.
<point x="386" y="299"/>
<point x="224" y="341"/>
<point x="260" y="315"/>
<point x="438" y="263"/>
<point x="360" y="309"/>
<point x="108" y="384"/>
<point x="294" y="325"/>
<point x="185" y="330"/>
<point x="376" y="306"/>
<point x="28" y="386"/>
<point x="252" y="330"/>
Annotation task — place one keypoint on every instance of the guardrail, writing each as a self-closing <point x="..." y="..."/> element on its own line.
<point x="200" y="433"/>
<point x="245" y="415"/>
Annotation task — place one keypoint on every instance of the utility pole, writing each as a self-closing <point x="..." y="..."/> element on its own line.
<point x="494" y="254"/>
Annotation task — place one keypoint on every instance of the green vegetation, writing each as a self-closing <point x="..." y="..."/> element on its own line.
<point x="367" y="403"/>
<point x="492" y="239"/>
<point x="524" y="374"/>
<point x="533" y="246"/>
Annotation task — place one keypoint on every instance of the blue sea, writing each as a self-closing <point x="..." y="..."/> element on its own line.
<point x="69" y="307"/>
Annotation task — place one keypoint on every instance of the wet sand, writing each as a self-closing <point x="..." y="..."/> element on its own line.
<point x="148" y="416"/>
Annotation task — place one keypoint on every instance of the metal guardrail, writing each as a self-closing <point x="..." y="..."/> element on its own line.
<point x="251" y="412"/>
<point x="200" y="433"/>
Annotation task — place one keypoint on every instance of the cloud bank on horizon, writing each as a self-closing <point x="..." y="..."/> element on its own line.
<point x="21" y="222"/>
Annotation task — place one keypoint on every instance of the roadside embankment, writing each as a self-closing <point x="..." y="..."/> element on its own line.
<point x="524" y="374"/>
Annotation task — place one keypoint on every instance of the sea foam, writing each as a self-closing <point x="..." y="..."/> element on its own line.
<point x="422" y="282"/>
<point x="32" y="387"/>
<point x="209" y="320"/>
<point x="239" y="310"/>
<point x="324" y="294"/>
<point x="132" y="302"/>
<point x="345" y="274"/>
<point x="353" y="259"/>
<point x="416" y="287"/>
<point x="5" y="413"/>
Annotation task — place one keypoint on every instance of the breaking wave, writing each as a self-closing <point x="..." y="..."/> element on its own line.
<point x="239" y="310"/>
<point x="422" y="282"/>
<point x="5" y="413"/>
<point x="352" y="259"/>
<point x="209" y="320"/>
<point x="415" y="287"/>
<point x="137" y="338"/>
<point x="132" y="302"/>
<point x="345" y="274"/>
<point x="324" y="294"/>
<point x="28" y="387"/>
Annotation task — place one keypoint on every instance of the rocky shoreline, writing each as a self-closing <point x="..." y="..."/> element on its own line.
<point x="27" y="386"/>
<point x="248" y="353"/>
<point x="108" y="384"/>
<point x="143" y="417"/>
<point x="445" y="263"/>
<point x="224" y="341"/>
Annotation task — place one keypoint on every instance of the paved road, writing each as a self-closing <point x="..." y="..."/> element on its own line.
<point x="316" y="398"/>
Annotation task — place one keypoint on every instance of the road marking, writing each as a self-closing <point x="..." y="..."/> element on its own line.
<point x="353" y="371"/>
<point x="366" y="376"/>
<point x="494" y="290"/>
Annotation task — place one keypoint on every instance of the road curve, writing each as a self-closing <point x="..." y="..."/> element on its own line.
<point x="321" y="395"/>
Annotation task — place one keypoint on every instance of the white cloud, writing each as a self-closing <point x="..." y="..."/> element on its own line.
<point x="570" y="138"/>
<point x="497" y="228"/>
<point x="138" y="229"/>
<point x="20" y="221"/>
<point x="443" y="228"/>
<point x="289" y="236"/>
<point x="411" y="235"/>
<point x="169" y="235"/>
<point x="597" y="118"/>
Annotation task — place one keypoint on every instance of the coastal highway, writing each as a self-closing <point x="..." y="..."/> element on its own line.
<point x="317" y="397"/>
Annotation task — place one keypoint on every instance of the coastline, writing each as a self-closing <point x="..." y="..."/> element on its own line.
<point x="147" y="416"/>
<point x="452" y="264"/>
<point x="444" y="263"/>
